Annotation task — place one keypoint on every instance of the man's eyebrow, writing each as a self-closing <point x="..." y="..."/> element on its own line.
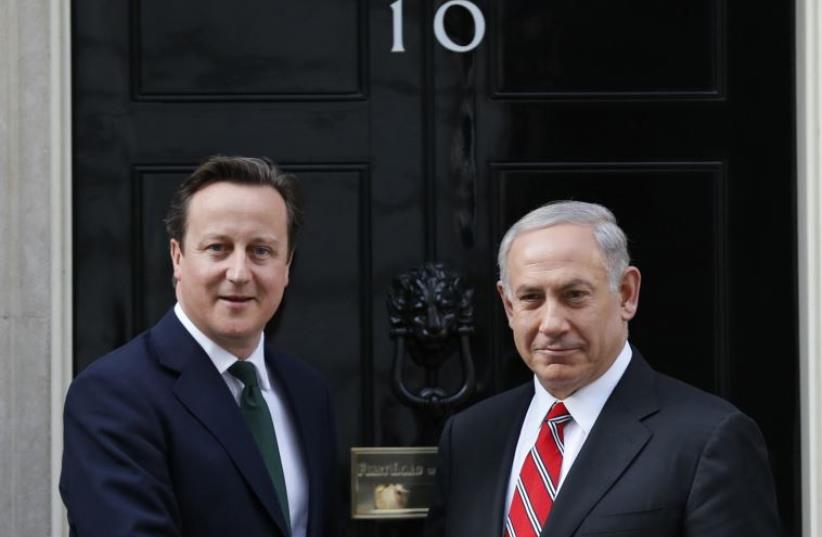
<point x="271" y="242"/>
<point x="527" y="289"/>
<point x="212" y="237"/>
<point x="578" y="282"/>
<point x="266" y="239"/>
<point x="257" y="240"/>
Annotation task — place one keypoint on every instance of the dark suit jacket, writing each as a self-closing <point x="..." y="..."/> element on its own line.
<point x="663" y="459"/>
<point x="155" y="445"/>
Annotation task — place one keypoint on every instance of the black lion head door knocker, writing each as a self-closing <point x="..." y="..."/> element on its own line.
<point x="431" y="314"/>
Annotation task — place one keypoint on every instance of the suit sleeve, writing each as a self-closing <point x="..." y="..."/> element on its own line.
<point x="732" y="494"/>
<point x="435" y="525"/>
<point x="115" y="480"/>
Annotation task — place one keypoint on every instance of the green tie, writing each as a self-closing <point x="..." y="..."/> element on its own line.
<point x="255" y="412"/>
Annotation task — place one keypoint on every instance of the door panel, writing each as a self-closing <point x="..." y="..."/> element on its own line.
<point x="599" y="47"/>
<point x="248" y="49"/>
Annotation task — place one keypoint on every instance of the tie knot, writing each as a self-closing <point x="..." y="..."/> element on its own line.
<point x="244" y="371"/>
<point x="558" y="413"/>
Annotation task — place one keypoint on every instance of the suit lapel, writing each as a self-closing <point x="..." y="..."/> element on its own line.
<point x="202" y="390"/>
<point x="616" y="439"/>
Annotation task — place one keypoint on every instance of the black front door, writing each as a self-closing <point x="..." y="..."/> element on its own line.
<point x="677" y="115"/>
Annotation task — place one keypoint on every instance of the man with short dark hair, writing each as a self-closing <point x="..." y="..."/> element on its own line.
<point x="196" y="428"/>
<point x="598" y="443"/>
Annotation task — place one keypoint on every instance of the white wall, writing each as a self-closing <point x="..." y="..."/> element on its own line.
<point x="34" y="248"/>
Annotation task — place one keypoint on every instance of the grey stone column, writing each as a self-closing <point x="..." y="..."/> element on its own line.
<point x="809" y="209"/>
<point x="34" y="255"/>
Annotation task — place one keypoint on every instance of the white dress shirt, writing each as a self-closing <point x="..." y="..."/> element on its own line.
<point x="294" y="469"/>
<point x="584" y="405"/>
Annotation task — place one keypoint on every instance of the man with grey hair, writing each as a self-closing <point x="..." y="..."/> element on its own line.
<point x="598" y="443"/>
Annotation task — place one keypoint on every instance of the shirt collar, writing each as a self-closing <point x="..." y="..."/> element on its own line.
<point x="221" y="358"/>
<point x="586" y="403"/>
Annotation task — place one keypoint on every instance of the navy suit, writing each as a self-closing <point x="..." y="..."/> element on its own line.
<point x="155" y="445"/>
<point x="663" y="459"/>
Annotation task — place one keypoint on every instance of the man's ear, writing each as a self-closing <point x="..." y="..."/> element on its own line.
<point x="176" y="252"/>
<point x="629" y="292"/>
<point x="288" y="266"/>
<point x="506" y="301"/>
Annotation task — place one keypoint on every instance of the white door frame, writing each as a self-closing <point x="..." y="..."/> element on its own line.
<point x="809" y="229"/>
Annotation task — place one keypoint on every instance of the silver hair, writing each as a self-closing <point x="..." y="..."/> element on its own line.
<point x="611" y="239"/>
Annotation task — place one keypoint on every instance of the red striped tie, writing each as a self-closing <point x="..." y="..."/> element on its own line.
<point x="539" y="477"/>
